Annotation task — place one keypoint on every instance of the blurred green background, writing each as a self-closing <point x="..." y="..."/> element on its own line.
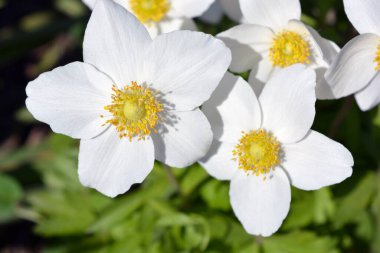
<point x="43" y="208"/>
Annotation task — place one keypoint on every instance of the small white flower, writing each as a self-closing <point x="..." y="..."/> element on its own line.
<point x="274" y="38"/>
<point x="265" y="145"/>
<point x="357" y="67"/>
<point x="132" y="100"/>
<point x="229" y="7"/>
<point x="163" y="16"/>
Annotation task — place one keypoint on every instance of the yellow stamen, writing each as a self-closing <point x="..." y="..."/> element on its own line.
<point x="135" y="111"/>
<point x="289" y="48"/>
<point x="150" y="10"/>
<point x="258" y="152"/>
<point x="377" y="59"/>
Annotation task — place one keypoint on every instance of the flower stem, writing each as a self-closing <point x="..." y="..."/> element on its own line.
<point x="341" y="116"/>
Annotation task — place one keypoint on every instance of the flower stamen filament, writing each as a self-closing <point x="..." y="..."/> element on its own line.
<point x="377" y="59"/>
<point x="289" y="48"/>
<point x="150" y="10"/>
<point x="135" y="111"/>
<point x="258" y="152"/>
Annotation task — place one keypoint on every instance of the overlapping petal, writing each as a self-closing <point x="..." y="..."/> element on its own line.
<point x="369" y="97"/>
<point x="219" y="161"/>
<point x="233" y="108"/>
<point x="248" y="43"/>
<point x="271" y="13"/>
<point x="189" y="8"/>
<point x="288" y="103"/>
<point x="185" y="138"/>
<point x="115" y="42"/>
<point x="354" y="67"/>
<point x="176" y="63"/>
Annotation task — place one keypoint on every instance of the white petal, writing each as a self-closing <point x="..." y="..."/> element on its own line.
<point x="330" y="52"/>
<point x="233" y="108"/>
<point x="323" y="89"/>
<point x="112" y="165"/>
<point x="214" y="14"/>
<point x="219" y="161"/>
<point x="316" y="162"/>
<point x="247" y="43"/>
<point x="260" y="205"/>
<point x="369" y="97"/>
<point x="271" y="13"/>
<point x="170" y="25"/>
<point x="288" y="103"/>
<point x="175" y="24"/>
<point x="364" y="15"/>
<point x="186" y="67"/>
<point x="232" y="10"/>
<point x="185" y="139"/>
<point x="189" y="8"/>
<point x="354" y="67"/>
<point x="260" y="74"/>
<point x="71" y="99"/>
<point x="115" y="42"/>
<point x="90" y="3"/>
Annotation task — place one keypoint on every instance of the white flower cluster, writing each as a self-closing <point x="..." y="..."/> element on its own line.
<point x="136" y="98"/>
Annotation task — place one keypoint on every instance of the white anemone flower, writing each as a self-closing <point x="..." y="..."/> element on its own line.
<point x="356" y="70"/>
<point x="220" y="7"/>
<point x="132" y="100"/>
<point x="274" y="38"/>
<point x="263" y="145"/>
<point x="163" y="16"/>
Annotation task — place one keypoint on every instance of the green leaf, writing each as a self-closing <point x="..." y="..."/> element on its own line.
<point x="215" y="194"/>
<point x="10" y="190"/>
<point x="310" y="208"/>
<point x="10" y="194"/>
<point x="299" y="242"/>
<point x="357" y="201"/>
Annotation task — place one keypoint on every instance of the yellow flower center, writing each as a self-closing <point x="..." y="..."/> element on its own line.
<point x="258" y="152"/>
<point x="289" y="48"/>
<point x="377" y="59"/>
<point x="135" y="111"/>
<point x="150" y="10"/>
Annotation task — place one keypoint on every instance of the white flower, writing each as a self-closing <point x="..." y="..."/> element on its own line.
<point x="274" y="38"/>
<point x="163" y="16"/>
<point x="132" y="100"/>
<point x="229" y="7"/>
<point x="265" y="145"/>
<point x="357" y="67"/>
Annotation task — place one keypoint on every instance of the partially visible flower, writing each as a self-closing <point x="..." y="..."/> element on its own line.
<point x="357" y="67"/>
<point x="229" y="7"/>
<point x="133" y="99"/>
<point x="275" y="38"/>
<point x="163" y="16"/>
<point x="265" y="145"/>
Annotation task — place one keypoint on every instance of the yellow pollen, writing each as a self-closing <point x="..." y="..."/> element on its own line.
<point x="289" y="48"/>
<point x="258" y="152"/>
<point x="150" y="10"/>
<point x="377" y="59"/>
<point x="135" y="111"/>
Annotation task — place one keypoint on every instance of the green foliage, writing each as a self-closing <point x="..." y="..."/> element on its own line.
<point x="176" y="210"/>
<point x="10" y="194"/>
